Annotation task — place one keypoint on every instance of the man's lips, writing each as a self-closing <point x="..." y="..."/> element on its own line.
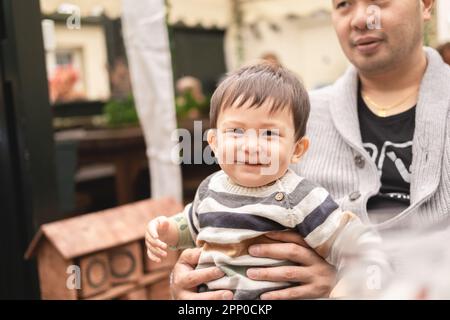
<point x="362" y="41"/>
<point x="367" y="45"/>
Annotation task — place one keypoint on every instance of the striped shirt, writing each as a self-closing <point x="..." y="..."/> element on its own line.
<point x="225" y="219"/>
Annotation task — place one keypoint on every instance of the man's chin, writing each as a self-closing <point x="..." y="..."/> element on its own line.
<point x="371" y="64"/>
<point x="379" y="61"/>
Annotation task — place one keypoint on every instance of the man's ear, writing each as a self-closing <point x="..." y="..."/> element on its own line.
<point x="211" y="137"/>
<point x="427" y="9"/>
<point x="301" y="147"/>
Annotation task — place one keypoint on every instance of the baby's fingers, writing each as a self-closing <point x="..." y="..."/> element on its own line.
<point x="152" y="228"/>
<point x="156" y="225"/>
<point x="159" y="252"/>
<point x="156" y="250"/>
<point x="161" y="244"/>
<point x="149" y="241"/>
<point x="153" y="257"/>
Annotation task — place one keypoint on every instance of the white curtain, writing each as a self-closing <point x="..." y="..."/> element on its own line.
<point x="147" y="45"/>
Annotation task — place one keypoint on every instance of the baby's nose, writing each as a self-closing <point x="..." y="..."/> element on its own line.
<point x="251" y="145"/>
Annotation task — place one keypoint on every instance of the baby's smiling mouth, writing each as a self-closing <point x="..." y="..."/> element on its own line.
<point x="252" y="164"/>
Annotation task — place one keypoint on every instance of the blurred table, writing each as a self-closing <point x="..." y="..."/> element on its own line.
<point x="124" y="148"/>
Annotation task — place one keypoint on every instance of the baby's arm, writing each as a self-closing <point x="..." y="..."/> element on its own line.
<point x="346" y="238"/>
<point x="334" y="234"/>
<point x="344" y="241"/>
<point x="173" y="232"/>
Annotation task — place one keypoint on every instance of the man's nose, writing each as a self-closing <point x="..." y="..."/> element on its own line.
<point x="359" y="17"/>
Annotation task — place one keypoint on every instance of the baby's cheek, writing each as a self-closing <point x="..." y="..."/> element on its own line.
<point x="279" y="154"/>
<point x="227" y="151"/>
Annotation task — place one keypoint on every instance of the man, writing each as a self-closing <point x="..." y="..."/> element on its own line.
<point x="380" y="143"/>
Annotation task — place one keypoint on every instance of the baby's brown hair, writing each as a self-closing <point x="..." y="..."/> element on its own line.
<point x="258" y="83"/>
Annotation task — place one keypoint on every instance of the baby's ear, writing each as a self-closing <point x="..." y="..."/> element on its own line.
<point x="300" y="149"/>
<point x="212" y="139"/>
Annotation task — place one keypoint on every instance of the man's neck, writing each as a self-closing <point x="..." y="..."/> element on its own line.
<point x="401" y="77"/>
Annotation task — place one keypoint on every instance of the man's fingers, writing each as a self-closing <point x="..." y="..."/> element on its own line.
<point x="212" y="295"/>
<point x="285" y="251"/>
<point x="287" y="236"/>
<point x="189" y="257"/>
<point x="197" y="277"/>
<point x="281" y="274"/>
<point x="185" y="279"/>
<point x="294" y="293"/>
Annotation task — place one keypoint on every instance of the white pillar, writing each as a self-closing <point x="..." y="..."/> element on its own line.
<point x="48" y="34"/>
<point x="443" y="21"/>
<point x="147" y="45"/>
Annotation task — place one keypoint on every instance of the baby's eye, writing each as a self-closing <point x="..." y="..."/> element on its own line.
<point x="235" y="131"/>
<point x="269" y="133"/>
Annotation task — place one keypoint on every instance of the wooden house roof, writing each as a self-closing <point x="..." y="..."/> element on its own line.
<point x="101" y="230"/>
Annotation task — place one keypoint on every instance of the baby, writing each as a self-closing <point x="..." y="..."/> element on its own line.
<point x="258" y="115"/>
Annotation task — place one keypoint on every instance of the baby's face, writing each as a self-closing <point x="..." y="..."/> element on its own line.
<point x="254" y="146"/>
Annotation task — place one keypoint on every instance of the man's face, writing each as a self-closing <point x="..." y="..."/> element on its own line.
<point x="376" y="35"/>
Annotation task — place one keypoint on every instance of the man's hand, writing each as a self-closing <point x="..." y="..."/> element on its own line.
<point x="316" y="276"/>
<point x="185" y="280"/>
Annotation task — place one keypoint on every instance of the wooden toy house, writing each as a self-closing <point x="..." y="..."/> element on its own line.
<point x="106" y="250"/>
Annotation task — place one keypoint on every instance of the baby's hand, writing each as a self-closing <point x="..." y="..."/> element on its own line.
<point x="156" y="249"/>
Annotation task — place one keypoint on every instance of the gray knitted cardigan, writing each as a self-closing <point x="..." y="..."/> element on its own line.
<point x="337" y="160"/>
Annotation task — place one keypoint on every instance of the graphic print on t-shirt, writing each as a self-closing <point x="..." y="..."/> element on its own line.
<point x="393" y="169"/>
<point x="390" y="151"/>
